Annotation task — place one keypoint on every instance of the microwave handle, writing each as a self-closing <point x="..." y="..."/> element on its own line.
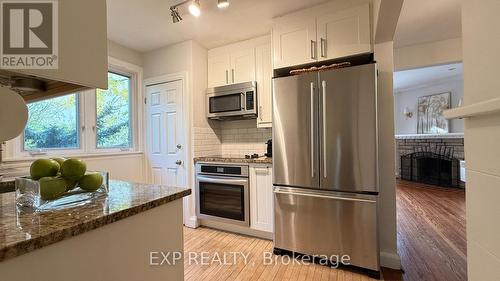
<point x="243" y="101"/>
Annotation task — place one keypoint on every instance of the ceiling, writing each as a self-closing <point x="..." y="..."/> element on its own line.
<point x="423" y="21"/>
<point x="422" y="76"/>
<point x="144" y="25"/>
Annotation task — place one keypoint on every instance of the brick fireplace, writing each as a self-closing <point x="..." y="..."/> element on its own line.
<point x="431" y="159"/>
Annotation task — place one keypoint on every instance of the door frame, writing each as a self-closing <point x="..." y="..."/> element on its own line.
<point x="189" y="216"/>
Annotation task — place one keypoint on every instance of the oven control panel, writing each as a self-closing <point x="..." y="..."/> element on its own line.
<point x="228" y="170"/>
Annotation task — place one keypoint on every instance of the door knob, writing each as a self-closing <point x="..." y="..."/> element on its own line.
<point x="178" y="146"/>
<point x="178" y="162"/>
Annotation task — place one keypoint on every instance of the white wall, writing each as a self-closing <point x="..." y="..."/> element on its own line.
<point x="127" y="167"/>
<point x="171" y="59"/>
<point x="409" y="97"/>
<point x="480" y="21"/>
<point x="123" y="53"/>
<point x="428" y="54"/>
<point x="386" y="151"/>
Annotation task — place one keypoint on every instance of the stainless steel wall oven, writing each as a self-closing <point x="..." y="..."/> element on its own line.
<point x="222" y="193"/>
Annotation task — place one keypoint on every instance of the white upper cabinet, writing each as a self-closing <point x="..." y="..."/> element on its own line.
<point x="245" y="61"/>
<point x="243" y="66"/>
<point x="261" y="198"/>
<point x="344" y="33"/>
<point x="321" y="33"/>
<point x="218" y="70"/>
<point x="294" y="42"/>
<point x="233" y="67"/>
<point x="264" y="74"/>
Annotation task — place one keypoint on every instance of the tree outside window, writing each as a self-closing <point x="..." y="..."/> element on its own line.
<point x="113" y="125"/>
<point x="53" y="124"/>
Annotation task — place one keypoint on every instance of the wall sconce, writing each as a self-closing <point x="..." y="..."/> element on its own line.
<point x="407" y="113"/>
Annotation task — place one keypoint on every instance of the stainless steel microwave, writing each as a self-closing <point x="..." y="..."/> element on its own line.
<point x="236" y="101"/>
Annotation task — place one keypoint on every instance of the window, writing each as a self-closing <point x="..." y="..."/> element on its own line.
<point x="53" y="124"/>
<point x="113" y="118"/>
<point x="87" y="122"/>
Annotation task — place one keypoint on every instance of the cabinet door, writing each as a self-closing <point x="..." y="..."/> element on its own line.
<point x="264" y="73"/>
<point x="218" y="70"/>
<point x="242" y="66"/>
<point x="344" y="33"/>
<point x="294" y="42"/>
<point x="261" y="198"/>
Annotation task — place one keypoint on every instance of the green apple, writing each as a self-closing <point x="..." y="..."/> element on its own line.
<point x="73" y="169"/>
<point x="70" y="184"/>
<point x="52" y="187"/>
<point x="59" y="160"/>
<point x="44" y="168"/>
<point x="91" y="181"/>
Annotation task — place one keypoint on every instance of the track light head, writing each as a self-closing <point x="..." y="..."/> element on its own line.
<point x="176" y="17"/>
<point x="195" y="8"/>
<point x="222" y="4"/>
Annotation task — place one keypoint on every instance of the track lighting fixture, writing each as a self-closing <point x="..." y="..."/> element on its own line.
<point x="194" y="8"/>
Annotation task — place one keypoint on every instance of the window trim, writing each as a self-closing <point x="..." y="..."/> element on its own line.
<point x="14" y="148"/>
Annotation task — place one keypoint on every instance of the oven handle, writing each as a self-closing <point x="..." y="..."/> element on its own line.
<point x="222" y="180"/>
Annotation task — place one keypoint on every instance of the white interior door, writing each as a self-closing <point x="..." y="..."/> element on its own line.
<point x="166" y="151"/>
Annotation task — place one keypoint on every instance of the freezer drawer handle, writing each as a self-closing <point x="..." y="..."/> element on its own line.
<point x="325" y="173"/>
<point x="325" y="196"/>
<point x="312" y="130"/>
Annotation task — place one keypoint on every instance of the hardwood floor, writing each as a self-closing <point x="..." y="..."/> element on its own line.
<point x="431" y="241"/>
<point x="431" y="232"/>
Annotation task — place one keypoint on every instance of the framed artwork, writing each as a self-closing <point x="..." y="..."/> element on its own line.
<point x="430" y="114"/>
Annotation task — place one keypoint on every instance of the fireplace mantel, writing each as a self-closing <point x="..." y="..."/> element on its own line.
<point x="430" y="136"/>
<point x="406" y="144"/>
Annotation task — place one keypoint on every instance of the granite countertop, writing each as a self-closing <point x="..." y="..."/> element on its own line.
<point x="234" y="159"/>
<point x="21" y="233"/>
<point x="7" y="185"/>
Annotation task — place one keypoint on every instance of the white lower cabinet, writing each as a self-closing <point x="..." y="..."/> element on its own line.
<point x="261" y="197"/>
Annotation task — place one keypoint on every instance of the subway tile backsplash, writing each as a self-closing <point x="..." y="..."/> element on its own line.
<point x="243" y="137"/>
<point x="233" y="138"/>
<point x="207" y="142"/>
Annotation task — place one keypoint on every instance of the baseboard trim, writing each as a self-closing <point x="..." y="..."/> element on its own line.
<point x="245" y="230"/>
<point x="192" y="222"/>
<point x="390" y="260"/>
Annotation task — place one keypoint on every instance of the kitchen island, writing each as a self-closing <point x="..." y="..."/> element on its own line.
<point x="117" y="236"/>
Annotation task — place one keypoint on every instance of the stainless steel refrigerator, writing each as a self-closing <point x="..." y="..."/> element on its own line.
<point x="325" y="164"/>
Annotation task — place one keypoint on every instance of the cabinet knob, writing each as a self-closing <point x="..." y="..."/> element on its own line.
<point x="178" y="162"/>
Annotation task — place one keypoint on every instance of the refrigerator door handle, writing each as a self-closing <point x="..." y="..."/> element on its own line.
<point x="312" y="130"/>
<point x="323" y="86"/>
<point x="277" y="191"/>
